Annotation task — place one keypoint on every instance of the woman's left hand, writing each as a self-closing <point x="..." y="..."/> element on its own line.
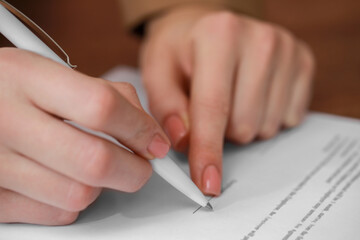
<point x="212" y="74"/>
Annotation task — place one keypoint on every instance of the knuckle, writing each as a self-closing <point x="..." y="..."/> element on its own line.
<point x="147" y="128"/>
<point x="207" y="151"/>
<point x="226" y="20"/>
<point x="129" y="92"/>
<point x="97" y="162"/>
<point x="221" y="107"/>
<point x="79" y="197"/>
<point x="9" y="58"/>
<point x="283" y="31"/>
<point x="212" y="145"/>
<point x="288" y="41"/>
<point x="268" y="38"/>
<point x="140" y="181"/>
<point x="102" y="105"/>
<point x="291" y="121"/>
<point x="268" y="132"/>
<point x="66" y="218"/>
<point x="308" y="62"/>
<point x="222" y="24"/>
<point x="243" y="132"/>
<point x="128" y="87"/>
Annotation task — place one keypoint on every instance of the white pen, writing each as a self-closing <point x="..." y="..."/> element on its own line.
<point x="22" y="37"/>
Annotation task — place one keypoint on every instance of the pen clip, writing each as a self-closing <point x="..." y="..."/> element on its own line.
<point x="38" y="30"/>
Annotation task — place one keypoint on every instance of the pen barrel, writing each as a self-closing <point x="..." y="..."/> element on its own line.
<point x="17" y="33"/>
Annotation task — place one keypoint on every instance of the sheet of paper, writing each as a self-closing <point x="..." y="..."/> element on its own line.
<point x="303" y="184"/>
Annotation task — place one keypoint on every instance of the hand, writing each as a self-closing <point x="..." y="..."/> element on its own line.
<point x="49" y="170"/>
<point x="212" y="74"/>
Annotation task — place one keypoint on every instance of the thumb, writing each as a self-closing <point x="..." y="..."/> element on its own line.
<point x="166" y="89"/>
<point x="128" y="91"/>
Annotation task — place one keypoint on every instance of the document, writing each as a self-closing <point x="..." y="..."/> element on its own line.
<point x="302" y="184"/>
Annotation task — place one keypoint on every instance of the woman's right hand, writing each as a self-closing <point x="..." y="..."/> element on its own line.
<point x="49" y="170"/>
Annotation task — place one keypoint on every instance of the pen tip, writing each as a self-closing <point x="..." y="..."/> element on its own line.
<point x="208" y="205"/>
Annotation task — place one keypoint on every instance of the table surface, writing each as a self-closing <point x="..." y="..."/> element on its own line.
<point x="94" y="37"/>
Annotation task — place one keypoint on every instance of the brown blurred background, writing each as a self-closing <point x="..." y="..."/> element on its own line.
<point x="93" y="35"/>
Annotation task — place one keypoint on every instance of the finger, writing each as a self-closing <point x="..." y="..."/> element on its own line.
<point x="90" y="102"/>
<point x="209" y="108"/>
<point x="164" y="83"/>
<point x="280" y="89"/>
<point x="255" y="70"/>
<point x="301" y="90"/>
<point x="128" y="91"/>
<point x="71" y="152"/>
<point x="15" y="208"/>
<point x="26" y="177"/>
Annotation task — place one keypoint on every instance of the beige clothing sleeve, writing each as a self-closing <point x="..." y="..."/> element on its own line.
<point x="136" y="12"/>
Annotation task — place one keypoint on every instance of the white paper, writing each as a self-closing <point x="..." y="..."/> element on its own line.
<point x="303" y="184"/>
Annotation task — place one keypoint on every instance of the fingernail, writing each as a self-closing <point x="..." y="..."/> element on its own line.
<point x="158" y="147"/>
<point x="176" y="130"/>
<point x="211" y="181"/>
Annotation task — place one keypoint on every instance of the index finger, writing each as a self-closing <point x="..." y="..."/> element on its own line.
<point x="90" y="102"/>
<point x="211" y="93"/>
